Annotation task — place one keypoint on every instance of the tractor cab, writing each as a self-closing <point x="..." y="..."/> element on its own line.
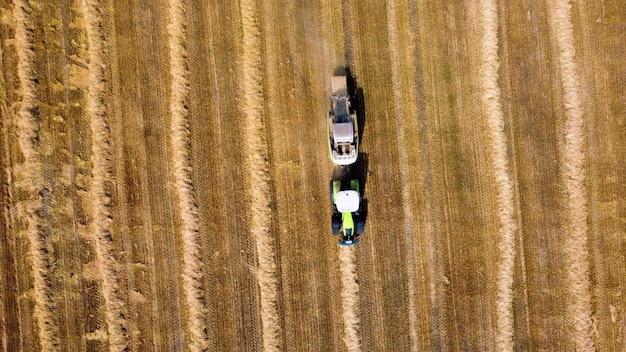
<point x="348" y="220"/>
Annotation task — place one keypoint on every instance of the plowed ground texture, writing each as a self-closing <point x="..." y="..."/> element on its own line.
<point x="165" y="175"/>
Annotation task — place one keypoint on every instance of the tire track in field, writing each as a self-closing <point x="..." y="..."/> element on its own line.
<point x="350" y="298"/>
<point x="392" y="32"/>
<point x="9" y="290"/>
<point x="438" y="328"/>
<point x="572" y="157"/>
<point x="347" y="11"/>
<point x="180" y="144"/>
<point x="502" y="171"/>
<point x="102" y="178"/>
<point x="257" y="154"/>
<point x="28" y="176"/>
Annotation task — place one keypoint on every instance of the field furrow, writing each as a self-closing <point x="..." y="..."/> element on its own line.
<point x="259" y="181"/>
<point x="216" y="129"/>
<point x="604" y="173"/>
<point x="192" y="271"/>
<point x="424" y="215"/>
<point x="10" y="327"/>
<point x="66" y="166"/>
<point x="349" y="36"/>
<point x="424" y="108"/>
<point x="397" y="80"/>
<point x="150" y="236"/>
<point x="527" y="76"/>
<point x="107" y="263"/>
<point x="573" y="158"/>
<point x="138" y="265"/>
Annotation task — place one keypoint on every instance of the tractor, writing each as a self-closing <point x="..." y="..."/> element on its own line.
<point x="348" y="219"/>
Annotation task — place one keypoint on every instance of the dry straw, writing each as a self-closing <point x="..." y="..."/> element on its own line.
<point x="350" y="298"/>
<point x="180" y="144"/>
<point x="102" y="178"/>
<point x="505" y="196"/>
<point x="257" y="153"/>
<point x="573" y="178"/>
<point x="28" y="176"/>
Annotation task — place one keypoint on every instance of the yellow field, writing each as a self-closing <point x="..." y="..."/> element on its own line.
<point x="165" y="176"/>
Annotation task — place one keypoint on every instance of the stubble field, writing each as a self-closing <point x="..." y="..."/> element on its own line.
<point x="165" y="176"/>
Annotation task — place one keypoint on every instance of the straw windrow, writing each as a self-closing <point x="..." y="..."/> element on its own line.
<point x="350" y="298"/>
<point x="180" y="149"/>
<point x="573" y="180"/>
<point x="502" y="172"/>
<point x="256" y="147"/>
<point x="102" y="177"/>
<point x="28" y="176"/>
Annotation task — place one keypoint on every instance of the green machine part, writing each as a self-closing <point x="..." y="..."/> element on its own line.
<point x="347" y="220"/>
<point x="354" y="184"/>
<point x="336" y="189"/>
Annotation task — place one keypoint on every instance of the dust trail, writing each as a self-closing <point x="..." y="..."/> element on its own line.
<point x="392" y="33"/>
<point x="28" y="176"/>
<point x="102" y="178"/>
<point x="573" y="177"/>
<point x="350" y="298"/>
<point x="180" y="140"/>
<point x="502" y="170"/>
<point x="257" y="153"/>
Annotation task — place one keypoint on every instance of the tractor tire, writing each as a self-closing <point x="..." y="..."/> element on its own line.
<point x="336" y="222"/>
<point x="360" y="225"/>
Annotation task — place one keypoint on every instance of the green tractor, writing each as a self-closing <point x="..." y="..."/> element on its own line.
<point x="348" y="218"/>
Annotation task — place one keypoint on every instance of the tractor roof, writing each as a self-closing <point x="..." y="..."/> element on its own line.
<point x="347" y="201"/>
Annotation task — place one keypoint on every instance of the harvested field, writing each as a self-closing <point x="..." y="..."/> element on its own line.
<point x="165" y="176"/>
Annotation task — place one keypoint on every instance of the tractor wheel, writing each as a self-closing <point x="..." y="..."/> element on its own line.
<point x="360" y="225"/>
<point x="336" y="223"/>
